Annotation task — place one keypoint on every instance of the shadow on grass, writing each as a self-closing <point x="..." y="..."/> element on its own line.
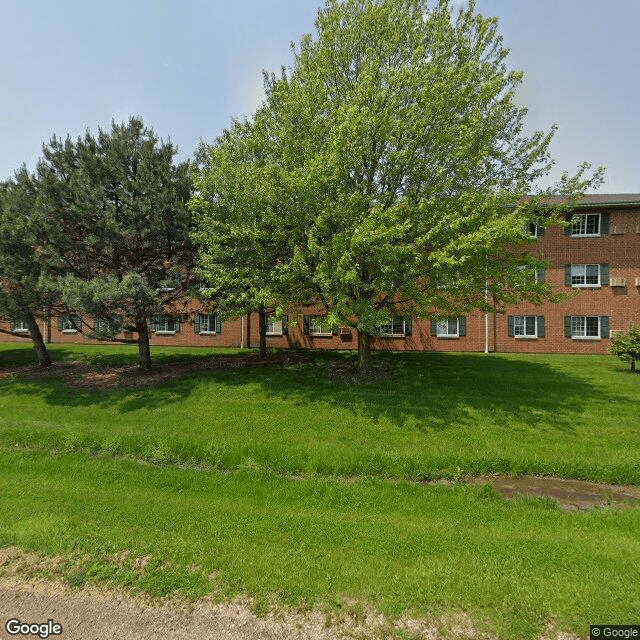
<point x="424" y="391"/>
<point x="431" y="391"/>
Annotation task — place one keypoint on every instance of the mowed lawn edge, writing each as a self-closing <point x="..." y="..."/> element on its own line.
<point x="514" y="568"/>
<point x="422" y="416"/>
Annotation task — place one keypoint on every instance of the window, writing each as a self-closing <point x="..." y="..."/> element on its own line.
<point x="277" y="327"/>
<point x="532" y="229"/>
<point x="525" y="326"/>
<point x="318" y="326"/>
<point x="172" y="282"/>
<point x="19" y="326"/>
<point x="587" y="224"/>
<point x="205" y="324"/>
<point x="531" y="274"/>
<point x="449" y="327"/>
<point x="105" y="328"/>
<point x="586" y="275"/>
<point x="586" y="327"/>
<point x="165" y="324"/>
<point x="398" y="326"/>
<point x="69" y="324"/>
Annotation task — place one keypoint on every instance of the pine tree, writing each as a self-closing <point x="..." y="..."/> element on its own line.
<point x="120" y="247"/>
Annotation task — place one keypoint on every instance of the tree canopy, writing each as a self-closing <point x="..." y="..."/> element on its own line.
<point x="26" y="291"/>
<point x="119" y="243"/>
<point x="626" y="346"/>
<point x="394" y="154"/>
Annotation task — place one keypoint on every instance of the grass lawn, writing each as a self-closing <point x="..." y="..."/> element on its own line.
<point x="275" y="482"/>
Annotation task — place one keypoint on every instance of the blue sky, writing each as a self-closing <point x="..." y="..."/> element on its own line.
<point x="187" y="67"/>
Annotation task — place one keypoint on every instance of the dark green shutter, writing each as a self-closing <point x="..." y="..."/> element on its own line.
<point x="60" y="322"/>
<point x="334" y="329"/>
<point x="434" y="327"/>
<point x="218" y="324"/>
<point x="604" y="274"/>
<point x="306" y="321"/>
<point x="567" y="326"/>
<point x="540" y="327"/>
<point x="285" y="325"/>
<point x="176" y="324"/>
<point x="539" y="231"/>
<point x="604" y="223"/>
<point x="510" y="327"/>
<point x="540" y="275"/>
<point x="567" y="275"/>
<point x="153" y="323"/>
<point x="407" y="325"/>
<point x="604" y="326"/>
<point x="196" y="323"/>
<point x="462" y="326"/>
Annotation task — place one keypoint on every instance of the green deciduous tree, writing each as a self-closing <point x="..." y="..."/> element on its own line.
<point x="25" y="292"/>
<point x="627" y="346"/>
<point x="238" y="206"/>
<point x="399" y="152"/>
<point x="120" y="245"/>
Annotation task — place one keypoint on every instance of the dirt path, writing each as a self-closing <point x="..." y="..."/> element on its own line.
<point x="570" y="494"/>
<point x="98" y="614"/>
<point x="90" y="613"/>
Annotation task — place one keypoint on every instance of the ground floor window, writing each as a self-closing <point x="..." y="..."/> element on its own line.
<point x="69" y="324"/>
<point x="207" y="323"/>
<point x="586" y="327"/>
<point x="398" y="326"/>
<point x="526" y="326"/>
<point x="105" y="328"/>
<point x="19" y="326"/>
<point x="165" y="324"/>
<point x="277" y="327"/>
<point x="318" y="326"/>
<point x="449" y="327"/>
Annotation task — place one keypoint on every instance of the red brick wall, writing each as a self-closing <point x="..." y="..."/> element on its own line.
<point x="620" y="249"/>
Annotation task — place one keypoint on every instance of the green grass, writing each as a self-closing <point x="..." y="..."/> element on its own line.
<point x="275" y="482"/>
<point x="435" y="415"/>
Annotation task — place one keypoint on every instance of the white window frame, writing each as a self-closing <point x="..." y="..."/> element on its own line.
<point x="167" y="321"/>
<point x="318" y="326"/>
<point x="67" y="325"/>
<point x="274" y="327"/>
<point x="20" y="326"/>
<point x="207" y="319"/>
<point x="529" y="273"/>
<point x="580" y="227"/>
<point x="579" y="327"/>
<point x="444" y="331"/>
<point x="109" y="330"/>
<point x="523" y="323"/>
<point x="581" y="271"/>
<point x="395" y="328"/>
<point x="530" y="229"/>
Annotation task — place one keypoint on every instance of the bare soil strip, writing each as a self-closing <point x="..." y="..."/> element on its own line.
<point x="572" y="495"/>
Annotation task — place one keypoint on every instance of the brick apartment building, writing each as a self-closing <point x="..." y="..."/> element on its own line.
<point x="599" y="256"/>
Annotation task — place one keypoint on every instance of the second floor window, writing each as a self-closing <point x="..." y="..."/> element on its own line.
<point x="585" y="275"/>
<point x="587" y="224"/>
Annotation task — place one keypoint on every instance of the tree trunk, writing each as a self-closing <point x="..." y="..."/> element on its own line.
<point x="633" y="364"/>
<point x="44" y="359"/>
<point x="364" y="350"/>
<point x="144" y="351"/>
<point x="262" y="318"/>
